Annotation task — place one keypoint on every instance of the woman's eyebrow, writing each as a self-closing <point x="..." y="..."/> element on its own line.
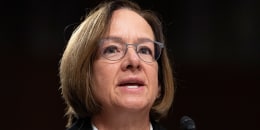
<point x="143" y="39"/>
<point x="119" y="39"/>
<point x="112" y="38"/>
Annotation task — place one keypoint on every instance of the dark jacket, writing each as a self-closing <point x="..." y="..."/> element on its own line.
<point x="85" y="124"/>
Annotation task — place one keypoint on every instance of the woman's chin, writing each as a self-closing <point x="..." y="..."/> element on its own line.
<point x="135" y="104"/>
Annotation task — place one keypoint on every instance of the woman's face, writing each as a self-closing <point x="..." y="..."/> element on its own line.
<point x="128" y="83"/>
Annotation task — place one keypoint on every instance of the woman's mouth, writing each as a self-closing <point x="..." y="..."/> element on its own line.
<point x="131" y="83"/>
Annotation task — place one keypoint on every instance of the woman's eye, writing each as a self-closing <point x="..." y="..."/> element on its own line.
<point x="110" y="50"/>
<point x="145" y="50"/>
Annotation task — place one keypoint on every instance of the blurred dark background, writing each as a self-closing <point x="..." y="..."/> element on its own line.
<point x="213" y="44"/>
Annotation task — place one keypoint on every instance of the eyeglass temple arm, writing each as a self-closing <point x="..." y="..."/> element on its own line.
<point x="160" y="44"/>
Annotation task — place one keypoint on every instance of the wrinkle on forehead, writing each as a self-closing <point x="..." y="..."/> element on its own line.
<point x="129" y="26"/>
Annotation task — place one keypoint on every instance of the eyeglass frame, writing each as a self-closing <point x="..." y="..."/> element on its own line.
<point x="160" y="45"/>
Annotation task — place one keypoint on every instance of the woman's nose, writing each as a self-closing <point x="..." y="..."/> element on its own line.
<point x="131" y="60"/>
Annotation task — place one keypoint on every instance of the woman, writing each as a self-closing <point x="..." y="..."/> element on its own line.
<point x="115" y="73"/>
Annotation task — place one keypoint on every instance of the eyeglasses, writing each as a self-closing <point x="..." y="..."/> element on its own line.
<point x="115" y="49"/>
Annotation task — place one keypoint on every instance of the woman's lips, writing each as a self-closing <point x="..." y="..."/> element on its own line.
<point x="131" y="86"/>
<point x="131" y="83"/>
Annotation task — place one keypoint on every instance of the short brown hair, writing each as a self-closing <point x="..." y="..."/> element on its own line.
<point x="76" y="64"/>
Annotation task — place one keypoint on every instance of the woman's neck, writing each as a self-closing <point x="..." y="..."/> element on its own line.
<point x="118" y="120"/>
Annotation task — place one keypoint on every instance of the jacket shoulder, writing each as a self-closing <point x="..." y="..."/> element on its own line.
<point x="157" y="126"/>
<point x="81" y="124"/>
